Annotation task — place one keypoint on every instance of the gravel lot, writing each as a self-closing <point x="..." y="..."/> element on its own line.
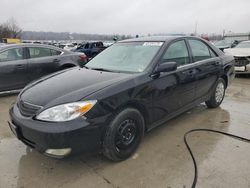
<point x="161" y="160"/>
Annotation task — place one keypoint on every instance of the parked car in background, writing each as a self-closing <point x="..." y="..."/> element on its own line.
<point x="23" y="63"/>
<point x="224" y="44"/>
<point x="91" y="49"/>
<point x="128" y="89"/>
<point x="241" y="53"/>
<point x="69" y="47"/>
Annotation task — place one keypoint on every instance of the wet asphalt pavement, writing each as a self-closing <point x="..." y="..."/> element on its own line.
<point x="161" y="160"/>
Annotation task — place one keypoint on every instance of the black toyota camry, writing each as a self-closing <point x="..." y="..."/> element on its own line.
<point x="128" y="89"/>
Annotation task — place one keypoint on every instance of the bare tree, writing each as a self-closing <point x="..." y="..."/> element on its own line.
<point x="10" y="29"/>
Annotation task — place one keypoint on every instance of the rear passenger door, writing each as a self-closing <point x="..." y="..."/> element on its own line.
<point x="13" y="69"/>
<point x="42" y="61"/>
<point x="208" y="66"/>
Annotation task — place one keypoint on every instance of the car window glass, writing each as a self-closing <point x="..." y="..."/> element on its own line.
<point x="12" y="55"/>
<point x="55" y="52"/>
<point x="200" y="50"/>
<point x="131" y="57"/>
<point x="36" y="52"/>
<point x="243" y="45"/>
<point x="177" y="52"/>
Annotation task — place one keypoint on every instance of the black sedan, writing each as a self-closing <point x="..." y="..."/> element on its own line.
<point x="23" y="63"/>
<point x="128" y="89"/>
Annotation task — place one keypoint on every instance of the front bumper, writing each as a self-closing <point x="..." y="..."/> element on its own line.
<point x="242" y="69"/>
<point x="79" y="135"/>
<point x="242" y="65"/>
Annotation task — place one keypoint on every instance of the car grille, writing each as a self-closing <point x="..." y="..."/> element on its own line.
<point x="241" y="61"/>
<point x="27" y="109"/>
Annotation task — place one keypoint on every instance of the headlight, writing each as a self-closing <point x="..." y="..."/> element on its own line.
<point x="66" y="112"/>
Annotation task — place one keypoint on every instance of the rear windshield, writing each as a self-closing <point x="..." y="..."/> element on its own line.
<point x="243" y="45"/>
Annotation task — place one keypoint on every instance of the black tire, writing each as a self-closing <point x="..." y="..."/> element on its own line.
<point x="214" y="102"/>
<point x="123" y="135"/>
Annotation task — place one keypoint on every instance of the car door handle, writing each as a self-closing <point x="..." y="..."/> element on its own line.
<point x="20" y="66"/>
<point x="189" y="72"/>
<point x="56" y="60"/>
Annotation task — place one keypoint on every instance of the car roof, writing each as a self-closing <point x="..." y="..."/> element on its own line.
<point x="7" y="46"/>
<point x="154" y="38"/>
<point x="168" y="39"/>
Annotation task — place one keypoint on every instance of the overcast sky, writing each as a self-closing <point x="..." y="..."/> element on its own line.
<point x="128" y="16"/>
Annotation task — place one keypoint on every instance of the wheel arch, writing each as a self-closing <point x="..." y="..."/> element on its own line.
<point x="225" y="78"/>
<point x="226" y="73"/>
<point x="138" y="106"/>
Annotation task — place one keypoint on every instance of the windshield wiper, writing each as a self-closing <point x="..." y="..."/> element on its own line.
<point x="102" y="69"/>
<point x="84" y="66"/>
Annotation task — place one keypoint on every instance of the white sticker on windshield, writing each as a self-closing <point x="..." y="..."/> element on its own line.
<point x="152" y="43"/>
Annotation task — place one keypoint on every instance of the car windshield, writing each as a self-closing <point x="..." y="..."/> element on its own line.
<point x="126" y="57"/>
<point x="243" y="45"/>
<point x="222" y="43"/>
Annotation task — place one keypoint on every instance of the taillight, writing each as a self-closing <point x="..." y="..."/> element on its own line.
<point x="83" y="58"/>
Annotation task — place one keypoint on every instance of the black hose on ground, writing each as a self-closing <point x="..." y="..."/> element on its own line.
<point x="192" y="155"/>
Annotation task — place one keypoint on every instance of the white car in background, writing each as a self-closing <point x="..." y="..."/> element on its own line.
<point x="241" y="53"/>
<point x="69" y="47"/>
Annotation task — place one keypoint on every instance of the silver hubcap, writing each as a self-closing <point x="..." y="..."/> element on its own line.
<point x="219" y="92"/>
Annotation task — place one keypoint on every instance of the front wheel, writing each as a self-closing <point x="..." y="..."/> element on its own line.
<point x="217" y="95"/>
<point x="123" y="135"/>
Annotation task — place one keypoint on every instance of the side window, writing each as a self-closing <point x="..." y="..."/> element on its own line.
<point x="55" y="52"/>
<point x="36" y="52"/>
<point x="12" y="55"/>
<point x="178" y="53"/>
<point x="200" y="50"/>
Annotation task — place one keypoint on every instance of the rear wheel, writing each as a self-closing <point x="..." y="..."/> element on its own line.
<point x="124" y="135"/>
<point x="217" y="95"/>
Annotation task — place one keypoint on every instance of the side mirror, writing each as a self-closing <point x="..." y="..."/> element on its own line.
<point x="166" y="67"/>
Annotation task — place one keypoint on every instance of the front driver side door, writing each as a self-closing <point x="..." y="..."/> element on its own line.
<point x="176" y="89"/>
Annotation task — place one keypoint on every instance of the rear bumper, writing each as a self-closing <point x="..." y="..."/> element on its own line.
<point x="79" y="135"/>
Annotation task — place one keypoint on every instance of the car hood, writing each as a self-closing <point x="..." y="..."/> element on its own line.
<point x="238" y="52"/>
<point x="69" y="86"/>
